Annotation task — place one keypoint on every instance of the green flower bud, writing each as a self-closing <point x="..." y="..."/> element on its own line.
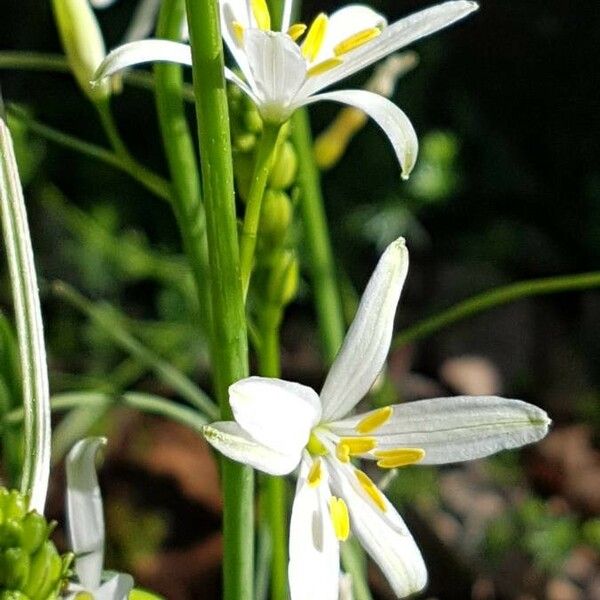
<point x="275" y="218"/>
<point x="283" y="282"/>
<point x="83" y="44"/>
<point x="285" y="167"/>
<point x="15" y="565"/>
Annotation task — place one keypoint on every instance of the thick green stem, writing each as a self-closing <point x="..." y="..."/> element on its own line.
<point x="496" y="297"/>
<point x="262" y="168"/>
<point x="181" y="157"/>
<point x="230" y="355"/>
<point x="322" y="265"/>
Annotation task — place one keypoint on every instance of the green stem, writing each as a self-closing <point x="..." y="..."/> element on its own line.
<point x="33" y="61"/>
<point x="181" y="157"/>
<point x="152" y="182"/>
<point x="262" y="168"/>
<point x="493" y="298"/>
<point x="112" y="131"/>
<point x="230" y="355"/>
<point x="275" y="487"/>
<point x="320" y="254"/>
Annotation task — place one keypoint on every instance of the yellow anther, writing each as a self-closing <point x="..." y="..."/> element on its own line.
<point x="340" y="518"/>
<point x="375" y="420"/>
<point x="342" y="451"/>
<point x="399" y="457"/>
<point x="324" y="66"/>
<point x="315" y="475"/>
<point x="296" y="30"/>
<point x="356" y="40"/>
<point x="238" y="31"/>
<point x="315" y="446"/>
<point x="260" y="10"/>
<point x="371" y="489"/>
<point x="315" y="36"/>
<point x="358" y="445"/>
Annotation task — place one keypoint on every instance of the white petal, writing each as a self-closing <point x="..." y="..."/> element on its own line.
<point x="137" y="53"/>
<point x="288" y="7"/>
<point x="278" y="71"/>
<point x="459" y="428"/>
<point x="346" y="22"/>
<point x="388" y="116"/>
<point x="84" y="511"/>
<point x="367" y="342"/>
<point x="102" y="3"/>
<point x="314" y="567"/>
<point x="116" y="588"/>
<point x="396" y="36"/>
<point x="143" y="21"/>
<point x="276" y="413"/>
<point x="236" y="11"/>
<point x="235" y="443"/>
<point x="383" y="534"/>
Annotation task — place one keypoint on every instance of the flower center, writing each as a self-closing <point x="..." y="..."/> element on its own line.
<point x="315" y="447"/>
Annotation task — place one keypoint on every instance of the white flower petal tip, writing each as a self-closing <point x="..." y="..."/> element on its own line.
<point x="235" y="443"/>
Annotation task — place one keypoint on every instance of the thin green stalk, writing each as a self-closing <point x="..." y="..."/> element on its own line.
<point x="275" y="487"/>
<point x="262" y="168"/>
<point x="112" y="131"/>
<point x="230" y="354"/>
<point x="491" y="299"/>
<point x="318" y="243"/>
<point x="30" y="331"/>
<point x="152" y="182"/>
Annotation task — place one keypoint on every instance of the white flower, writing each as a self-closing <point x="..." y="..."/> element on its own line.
<point x="280" y="425"/>
<point x="86" y="527"/>
<point x="281" y="74"/>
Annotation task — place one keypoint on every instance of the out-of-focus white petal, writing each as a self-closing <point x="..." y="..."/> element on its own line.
<point x="383" y="534"/>
<point x="288" y="6"/>
<point x="314" y="567"/>
<point x="367" y="342"/>
<point x="102" y="3"/>
<point x="143" y="20"/>
<point x="388" y="116"/>
<point x="144" y="51"/>
<point x="278" y="71"/>
<point x="457" y="429"/>
<point x="116" y="588"/>
<point x="346" y="22"/>
<point x="235" y="443"/>
<point x="396" y="36"/>
<point x="276" y="413"/>
<point x="84" y="511"/>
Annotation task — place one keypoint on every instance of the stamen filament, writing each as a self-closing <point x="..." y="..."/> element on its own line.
<point x="324" y="66"/>
<point x="399" y="457"/>
<point x="315" y="36"/>
<point x="315" y="475"/>
<point x="374" y="420"/>
<point x="297" y="30"/>
<point x="356" y="40"/>
<point x="340" y="518"/>
<point x="371" y="489"/>
<point x="260" y="10"/>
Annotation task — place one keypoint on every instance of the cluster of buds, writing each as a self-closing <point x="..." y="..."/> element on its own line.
<point x="30" y="566"/>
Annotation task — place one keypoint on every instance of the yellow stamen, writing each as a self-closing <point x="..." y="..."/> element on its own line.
<point x="340" y="518"/>
<point x="238" y="31"/>
<point x="356" y="40"/>
<point x="358" y="445"/>
<point x="399" y="457"/>
<point x="315" y="475"/>
<point x="260" y="10"/>
<point x="315" y="446"/>
<point x="342" y="451"/>
<point x="296" y="30"/>
<point x="324" y="66"/>
<point x="315" y="36"/>
<point x="371" y="489"/>
<point x="374" y="420"/>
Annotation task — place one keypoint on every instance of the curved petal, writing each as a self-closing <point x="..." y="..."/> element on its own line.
<point x="344" y="23"/>
<point x="457" y="429"/>
<point x="102" y="3"/>
<point x="396" y="36"/>
<point x="116" y="588"/>
<point x="143" y="21"/>
<point x="367" y="342"/>
<point x="314" y="567"/>
<point x="144" y="51"/>
<point x="276" y="413"/>
<point x="382" y="533"/>
<point x="235" y="443"/>
<point x="236" y="11"/>
<point x="388" y="116"/>
<point x="278" y="71"/>
<point x="84" y="511"/>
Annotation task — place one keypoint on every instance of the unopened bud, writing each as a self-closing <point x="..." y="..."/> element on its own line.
<point x="283" y="282"/>
<point x="285" y="167"/>
<point x="83" y="44"/>
<point x="275" y="218"/>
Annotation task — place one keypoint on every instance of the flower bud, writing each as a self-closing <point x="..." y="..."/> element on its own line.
<point x="83" y="44"/>
<point x="275" y="218"/>
<point x="285" y="167"/>
<point x="283" y="282"/>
